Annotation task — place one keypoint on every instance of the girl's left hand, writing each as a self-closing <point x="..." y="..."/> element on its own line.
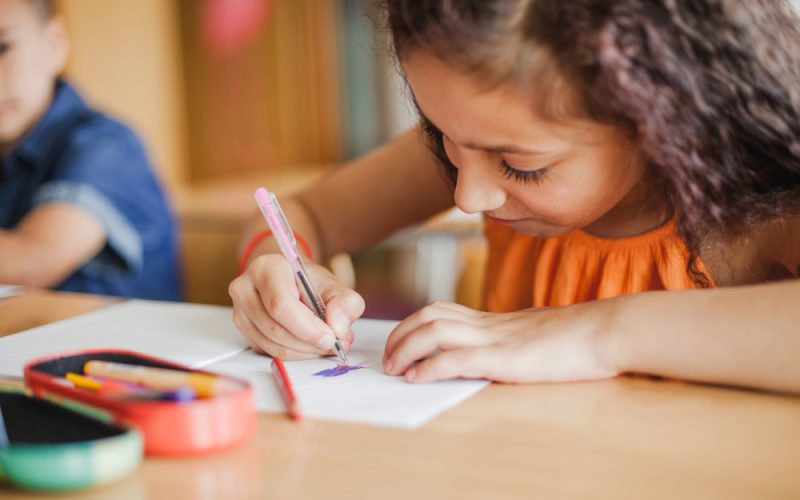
<point x="534" y="345"/>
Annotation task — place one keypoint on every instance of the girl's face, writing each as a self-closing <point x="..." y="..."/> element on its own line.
<point x="538" y="177"/>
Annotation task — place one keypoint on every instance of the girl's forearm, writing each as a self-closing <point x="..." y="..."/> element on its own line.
<point x="300" y="221"/>
<point x="365" y="201"/>
<point x="372" y="197"/>
<point x="746" y="336"/>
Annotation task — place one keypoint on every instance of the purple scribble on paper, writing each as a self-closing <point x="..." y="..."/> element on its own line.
<point x="338" y="370"/>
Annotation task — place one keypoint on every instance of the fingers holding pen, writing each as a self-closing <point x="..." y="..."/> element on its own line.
<point x="283" y="305"/>
<point x="264" y="345"/>
<point x="343" y="307"/>
<point x="269" y="338"/>
<point x="267" y="297"/>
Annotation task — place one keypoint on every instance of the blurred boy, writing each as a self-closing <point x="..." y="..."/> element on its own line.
<point x="80" y="207"/>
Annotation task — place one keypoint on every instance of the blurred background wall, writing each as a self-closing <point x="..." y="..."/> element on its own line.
<point x="126" y="57"/>
<point x="219" y="87"/>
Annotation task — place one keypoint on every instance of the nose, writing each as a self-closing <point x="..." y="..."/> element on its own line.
<point x="477" y="188"/>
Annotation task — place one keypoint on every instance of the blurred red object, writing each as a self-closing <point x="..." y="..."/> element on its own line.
<point x="228" y="26"/>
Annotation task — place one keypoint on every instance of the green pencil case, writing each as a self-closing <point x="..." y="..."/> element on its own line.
<point x="58" y="447"/>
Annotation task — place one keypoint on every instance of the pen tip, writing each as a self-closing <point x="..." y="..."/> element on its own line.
<point x="340" y="352"/>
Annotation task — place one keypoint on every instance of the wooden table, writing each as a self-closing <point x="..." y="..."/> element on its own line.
<point x="625" y="438"/>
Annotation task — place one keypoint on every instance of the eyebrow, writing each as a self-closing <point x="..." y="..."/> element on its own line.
<point x="498" y="148"/>
<point x="504" y="148"/>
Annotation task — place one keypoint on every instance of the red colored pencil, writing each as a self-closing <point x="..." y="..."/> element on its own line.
<point x="285" y="388"/>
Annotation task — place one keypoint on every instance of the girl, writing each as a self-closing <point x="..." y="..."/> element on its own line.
<point x="613" y="147"/>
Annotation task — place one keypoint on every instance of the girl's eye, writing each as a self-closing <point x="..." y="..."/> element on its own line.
<point x="4" y="47"/>
<point x="523" y="176"/>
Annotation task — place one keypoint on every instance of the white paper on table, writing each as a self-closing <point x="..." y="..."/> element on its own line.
<point x="367" y="395"/>
<point x="9" y="290"/>
<point x="190" y="334"/>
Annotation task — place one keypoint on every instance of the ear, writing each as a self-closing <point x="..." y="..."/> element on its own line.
<point x="58" y="44"/>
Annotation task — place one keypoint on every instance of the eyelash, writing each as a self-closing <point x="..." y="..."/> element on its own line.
<point x="509" y="172"/>
<point x="429" y="130"/>
<point x="523" y="176"/>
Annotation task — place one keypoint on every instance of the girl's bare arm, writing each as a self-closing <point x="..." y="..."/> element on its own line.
<point x="746" y="336"/>
<point x="366" y="200"/>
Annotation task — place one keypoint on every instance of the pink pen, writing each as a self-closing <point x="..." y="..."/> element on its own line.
<point x="284" y="235"/>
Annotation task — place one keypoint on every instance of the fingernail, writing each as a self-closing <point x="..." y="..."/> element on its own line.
<point x="411" y="374"/>
<point x="325" y="343"/>
<point x="387" y="366"/>
<point x="341" y="325"/>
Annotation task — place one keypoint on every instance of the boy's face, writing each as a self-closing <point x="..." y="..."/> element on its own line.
<point x="33" y="52"/>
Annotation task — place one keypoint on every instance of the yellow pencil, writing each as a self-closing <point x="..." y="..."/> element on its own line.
<point x="162" y="379"/>
<point x="84" y="382"/>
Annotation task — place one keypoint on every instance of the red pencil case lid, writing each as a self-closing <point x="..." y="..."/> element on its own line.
<point x="169" y="427"/>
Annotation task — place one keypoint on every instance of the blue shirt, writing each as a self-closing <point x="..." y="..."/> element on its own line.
<point x="80" y="156"/>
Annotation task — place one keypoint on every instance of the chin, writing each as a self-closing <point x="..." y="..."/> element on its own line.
<point x="540" y="229"/>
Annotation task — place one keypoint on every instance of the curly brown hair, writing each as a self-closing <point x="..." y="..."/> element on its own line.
<point x="708" y="89"/>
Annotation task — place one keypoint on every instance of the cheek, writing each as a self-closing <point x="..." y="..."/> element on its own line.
<point x="552" y="202"/>
<point x="15" y="74"/>
<point x="574" y="194"/>
<point x="622" y="170"/>
<point x="29" y="84"/>
<point x="25" y="87"/>
<point x="600" y="186"/>
<point x="30" y="64"/>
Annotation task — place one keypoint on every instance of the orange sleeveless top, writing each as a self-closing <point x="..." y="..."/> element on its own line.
<point x="527" y="271"/>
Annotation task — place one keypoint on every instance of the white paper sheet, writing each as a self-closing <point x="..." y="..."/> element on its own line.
<point x="9" y="290"/>
<point x="204" y="336"/>
<point x="190" y="334"/>
<point x="366" y="395"/>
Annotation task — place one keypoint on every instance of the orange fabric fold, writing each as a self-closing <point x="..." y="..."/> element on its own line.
<point x="527" y="271"/>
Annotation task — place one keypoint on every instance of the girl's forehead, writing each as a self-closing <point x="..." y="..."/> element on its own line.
<point x="471" y="113"/>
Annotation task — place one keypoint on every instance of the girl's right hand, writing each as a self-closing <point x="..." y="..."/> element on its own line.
<point x="268" y="310"/>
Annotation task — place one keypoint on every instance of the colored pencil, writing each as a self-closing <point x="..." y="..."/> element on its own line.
<point x="285" y="388"/>
<point x="164" y="379"/>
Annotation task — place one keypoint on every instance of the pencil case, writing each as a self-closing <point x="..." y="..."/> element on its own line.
<point x="55" y="447"/>
<point x="169" y="427"/>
